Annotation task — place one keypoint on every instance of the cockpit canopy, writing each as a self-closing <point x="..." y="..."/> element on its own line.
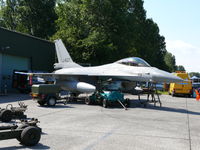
<point x="134" y="61"/>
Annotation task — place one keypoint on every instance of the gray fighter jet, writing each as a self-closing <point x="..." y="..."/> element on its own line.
<point x="77" y="79"/>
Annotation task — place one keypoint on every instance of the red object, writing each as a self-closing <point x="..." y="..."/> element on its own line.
<point x="30" y="79"/>
<point x="197" y="95"/>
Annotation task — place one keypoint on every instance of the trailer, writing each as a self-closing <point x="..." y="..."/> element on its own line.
<point x="47" y="94"/>
<point x="27" y="133"/>
<point x="107" y="98"/>
<point x="10" y="112"/>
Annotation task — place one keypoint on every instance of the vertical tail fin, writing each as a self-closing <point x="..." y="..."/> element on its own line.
<point x="62" y="53"/>
<point x="64" y="59"/>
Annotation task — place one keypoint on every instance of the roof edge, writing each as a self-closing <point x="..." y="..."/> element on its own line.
<point x="27" y="35"/>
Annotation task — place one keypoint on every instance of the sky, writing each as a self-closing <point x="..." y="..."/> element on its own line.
<point x="179" y="23"/>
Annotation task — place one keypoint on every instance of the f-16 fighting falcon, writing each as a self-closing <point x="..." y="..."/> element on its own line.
<point x="77" y="79"/>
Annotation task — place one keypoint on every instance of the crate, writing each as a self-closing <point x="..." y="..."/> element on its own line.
<point x="45" y="88"/>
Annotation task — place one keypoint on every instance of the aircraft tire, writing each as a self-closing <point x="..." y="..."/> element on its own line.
<point x="6" y="115"/>
<point x="30" y="136"/>
<point x="51" y="101"/>
<point x="127" y="102"/>
<point x="88" y="101"/>
<point x="41" y="103"/>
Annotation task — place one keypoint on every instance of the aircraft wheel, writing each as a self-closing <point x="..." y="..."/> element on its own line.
<point x="6" y="115"/>
<point x="88" y="101"/>
<point x="127" y="102"/>
<point x="105" y="103"/>
<point x="41" y="103"/>
<point x="51" y="101"/>
<point x="30" y="136"/>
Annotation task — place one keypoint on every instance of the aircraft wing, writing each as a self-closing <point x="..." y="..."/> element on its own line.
<point x="68" y="76"/>
<point x="36" y="74"/>
<point x="116" y="75"/>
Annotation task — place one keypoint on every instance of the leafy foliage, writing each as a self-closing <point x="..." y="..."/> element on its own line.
<point x="103" y="31"/>
<point x="35" y="17"/>
<point x="180" y="68"/>
<point x="197" y="74"/>
<point x="170" y="61"/>
<point x="94" y="31"/>
<point x="1" y="12"/>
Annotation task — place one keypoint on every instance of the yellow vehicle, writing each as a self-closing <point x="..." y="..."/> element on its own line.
<point x="183" y="88"/>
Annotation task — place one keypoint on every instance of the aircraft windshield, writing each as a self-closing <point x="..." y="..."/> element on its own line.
<point x="134" y="61"/>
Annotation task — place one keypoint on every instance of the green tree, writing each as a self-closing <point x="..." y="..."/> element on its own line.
<point x="170" y="62"/>
<point x="197" y="74"/>
<point x="8" y="14"/>
<point x="36" y="17"/>
<point x="103" y="31"/>
<point x="149" y="44"/>
<point x="1" y="13"/>
<point x="180" y="68"/>
<point x="91" y="29"/>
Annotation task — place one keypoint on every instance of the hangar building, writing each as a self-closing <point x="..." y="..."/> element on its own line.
<point x="23" y="52"/>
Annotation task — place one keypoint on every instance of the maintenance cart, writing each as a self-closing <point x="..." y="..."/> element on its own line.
<point x="107" y="98"/>
<point x="28" y="133"/>
<point x="10" y="112"/>
<point x="47" y="94"/>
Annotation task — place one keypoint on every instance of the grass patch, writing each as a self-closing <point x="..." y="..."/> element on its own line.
<point x="163" y="92"/>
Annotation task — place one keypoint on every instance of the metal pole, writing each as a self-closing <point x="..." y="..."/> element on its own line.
<point x="122" y="104"/>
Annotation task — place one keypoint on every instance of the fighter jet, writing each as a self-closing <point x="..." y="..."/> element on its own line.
<point x="77" y="79"/>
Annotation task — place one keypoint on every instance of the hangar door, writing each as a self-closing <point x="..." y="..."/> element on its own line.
<point x="9" y="64"/>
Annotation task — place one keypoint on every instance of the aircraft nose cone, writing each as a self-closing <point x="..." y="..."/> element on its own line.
<point x="163" y="76"/>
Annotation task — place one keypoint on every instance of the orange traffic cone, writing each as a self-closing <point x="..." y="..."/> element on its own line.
<point x="197" y="95"/>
